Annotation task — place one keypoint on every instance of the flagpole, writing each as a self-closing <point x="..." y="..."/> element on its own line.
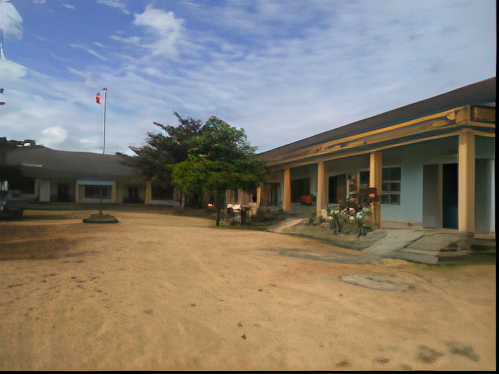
<point x="101" y="218"/>
<point x="104" y="120"/>
<point x="104" y="144"/>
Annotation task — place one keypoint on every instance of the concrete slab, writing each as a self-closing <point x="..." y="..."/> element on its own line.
<point x="435" y="242"/>
<point x="376" y="282"/>
<point x="290" y="222"/>
<point x="395" y="240"/>
<point x="422" y="258"/>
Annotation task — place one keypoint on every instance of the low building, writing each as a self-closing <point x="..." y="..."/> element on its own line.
<point x="431" y="162"/>
<point x="48" y="175"/>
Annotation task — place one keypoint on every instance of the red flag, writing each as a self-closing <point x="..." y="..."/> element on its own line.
<point x="97" y="98"/>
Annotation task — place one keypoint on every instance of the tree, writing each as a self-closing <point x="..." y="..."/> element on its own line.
<point x="220" y="159"/>
<point x="163" y="149"/>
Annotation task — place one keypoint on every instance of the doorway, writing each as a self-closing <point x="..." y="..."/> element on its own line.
<point x="431" y="202"/>
<point x="337" y="189"/>
<point x="63" y="193"/>
<point x="299" y="187"/>
<point x="449" y="196"/>
<point x="133" y="194"/>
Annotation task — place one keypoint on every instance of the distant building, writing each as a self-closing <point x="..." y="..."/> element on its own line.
<point x="47" y="175"/>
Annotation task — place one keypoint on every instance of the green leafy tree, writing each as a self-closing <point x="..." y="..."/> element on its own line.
<point x="169" y="147"/>
<point x="220" y="159"/>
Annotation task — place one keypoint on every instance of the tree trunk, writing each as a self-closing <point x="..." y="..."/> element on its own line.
<point x="200" y="199"/>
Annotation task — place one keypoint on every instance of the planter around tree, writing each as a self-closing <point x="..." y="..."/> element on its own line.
<point x="101" y="218"/>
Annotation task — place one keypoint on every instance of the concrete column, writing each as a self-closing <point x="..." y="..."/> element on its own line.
<point x="466" y="181"/>
<point x="37" y="189"/>
<point x="286" y="198"/>
<point x="119" y="192"/>
<point x="376" y="180"/>
<point x="322" y="193"/>
<point x="113" y="192"/>
<point x="259" y="195"/>
<point x="148" y="193"/>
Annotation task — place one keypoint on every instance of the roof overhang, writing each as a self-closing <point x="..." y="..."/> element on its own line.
<point x="448" y="123"/>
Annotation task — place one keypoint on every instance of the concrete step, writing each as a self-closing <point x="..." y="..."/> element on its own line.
<point x="483" y="245"/>
<point x="429" y="258"/>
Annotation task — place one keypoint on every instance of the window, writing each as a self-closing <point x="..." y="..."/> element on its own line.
<point x="94" y="192"/>
<point x="391" y="186"/>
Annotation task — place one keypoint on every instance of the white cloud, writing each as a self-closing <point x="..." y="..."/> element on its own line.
<point x="115" y="4"/>
<point x="68" y="6"/>
<point x="131" y="40"/>
<point x="53" y="136"/>
<point x="39" y="1"/>
<point x="11" y="23"/>
<point x="10" y="71"/>
<point x="42" y="39"/>
<point x="91" y="51"/>
<point x="164" y="27"/>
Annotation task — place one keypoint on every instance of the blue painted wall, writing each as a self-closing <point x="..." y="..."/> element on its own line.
<point x="411" y="159"/>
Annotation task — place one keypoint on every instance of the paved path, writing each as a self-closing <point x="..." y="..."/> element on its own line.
<point x="394" y="241"/>
<point x="290" y="222"/>
<point x="427" y="246"/>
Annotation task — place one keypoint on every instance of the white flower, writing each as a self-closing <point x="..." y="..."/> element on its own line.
<point x="352" y="218"/>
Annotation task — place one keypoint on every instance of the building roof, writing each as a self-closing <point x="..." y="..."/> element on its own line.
<point x="42" y="162"/>
<point x="483" y="92"/>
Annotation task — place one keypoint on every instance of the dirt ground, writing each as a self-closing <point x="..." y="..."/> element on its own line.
<point x="158" y="291"/>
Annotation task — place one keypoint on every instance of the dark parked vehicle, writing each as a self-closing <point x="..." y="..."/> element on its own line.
<point x="11" y="204"/>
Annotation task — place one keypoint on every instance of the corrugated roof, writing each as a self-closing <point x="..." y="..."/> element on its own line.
<point x="478" y="93"/>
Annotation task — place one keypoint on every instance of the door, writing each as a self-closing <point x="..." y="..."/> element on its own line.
<point x="63" y="192"/>
<point x="337" y="189"/>
<point x="133" y="194"/>
<point x="449" y="196"/>
<point x="431" y="203"/>
<point x="44" y="191"/>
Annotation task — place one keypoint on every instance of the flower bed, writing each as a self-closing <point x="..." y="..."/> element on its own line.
<point x="347" y="221"/>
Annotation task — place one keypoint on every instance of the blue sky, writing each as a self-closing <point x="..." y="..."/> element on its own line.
<point x="281" y="69"/>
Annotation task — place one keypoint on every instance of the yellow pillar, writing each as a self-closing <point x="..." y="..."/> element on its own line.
<point x="77" y="193"/>
<point x="286" y="201"/>
<point x="148" y="193"/>
<point x="259" y="196"/>
<point x="321" y="198"/>
<point x="466" y="181"/>
<point x="376" y="180"/>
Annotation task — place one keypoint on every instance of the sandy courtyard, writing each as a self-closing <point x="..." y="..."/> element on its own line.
<point x="164" y="292"/>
